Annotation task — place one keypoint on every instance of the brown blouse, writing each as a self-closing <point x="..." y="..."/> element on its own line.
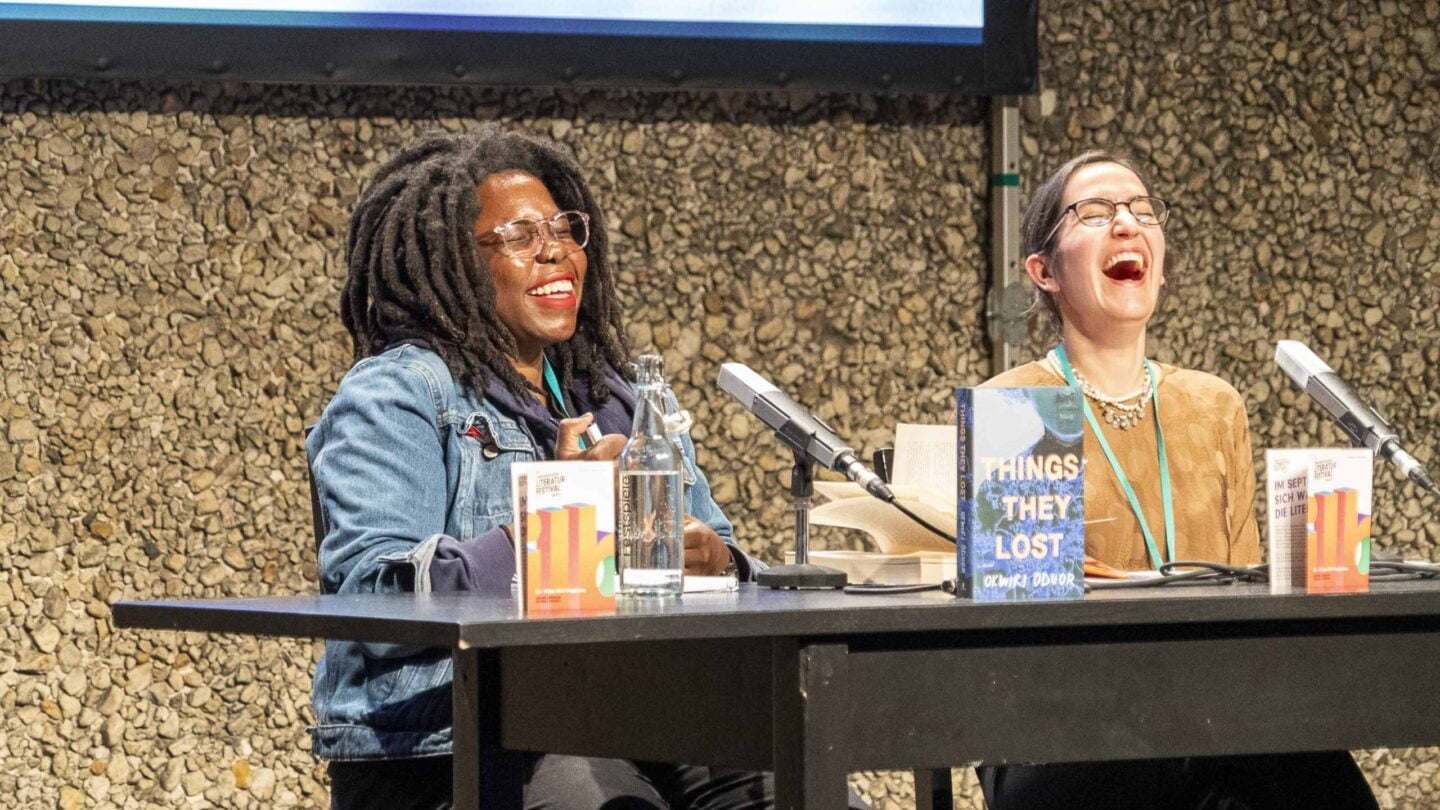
<point x="1212" y="474"/>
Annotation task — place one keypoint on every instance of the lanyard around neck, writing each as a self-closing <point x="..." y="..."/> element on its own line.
<point x="1165" y="495"/>
<point x="553" y="385"/>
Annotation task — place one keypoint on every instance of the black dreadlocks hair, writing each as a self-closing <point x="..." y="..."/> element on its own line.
<point x="415" y="270"/>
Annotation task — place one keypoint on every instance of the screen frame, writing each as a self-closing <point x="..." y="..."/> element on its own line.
<point x="1007" y="62"/>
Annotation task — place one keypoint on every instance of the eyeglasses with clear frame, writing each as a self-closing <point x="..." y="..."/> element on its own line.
<point x="525" y="238"/>
<point x="1097" y="212"/>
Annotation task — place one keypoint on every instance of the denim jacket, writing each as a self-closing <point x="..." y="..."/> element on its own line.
<point x="401" y="477"/>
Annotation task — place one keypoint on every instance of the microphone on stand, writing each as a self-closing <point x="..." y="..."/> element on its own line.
<point x="1365" y="426"/>
<point x="808" y="437"/>
<point x="812" y="443"/>
<point x="795" y="426"/>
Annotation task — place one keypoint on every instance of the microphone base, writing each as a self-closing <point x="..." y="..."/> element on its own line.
<point x="802" y="576"/>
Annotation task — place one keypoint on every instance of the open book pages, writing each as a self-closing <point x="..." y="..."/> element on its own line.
<point x="925" y="459"/>
<point x="924" y="481"/>
<point x="851" y="507"/>
<point x="874" y="568"/>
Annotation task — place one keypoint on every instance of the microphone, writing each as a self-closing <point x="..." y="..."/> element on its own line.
<point x="1362" y="423"/>
<point x="795" y="426"/>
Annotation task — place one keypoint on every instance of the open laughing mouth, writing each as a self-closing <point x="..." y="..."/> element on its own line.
<point x="1127" y="266"/>
<point x="558" y="292"/>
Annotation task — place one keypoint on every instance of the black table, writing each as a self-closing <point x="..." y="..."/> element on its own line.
<point x="817" y="685"/>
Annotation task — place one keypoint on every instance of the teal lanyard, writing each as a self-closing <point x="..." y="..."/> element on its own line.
<point x="1165" y="496"/>
<point x="553" y="385"/>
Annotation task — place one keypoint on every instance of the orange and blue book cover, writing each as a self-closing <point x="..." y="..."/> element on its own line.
<point x="1320" y="517"/>
<point x="565" y="535"/>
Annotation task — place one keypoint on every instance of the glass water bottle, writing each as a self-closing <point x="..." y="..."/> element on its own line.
<point x="652" y="543"/>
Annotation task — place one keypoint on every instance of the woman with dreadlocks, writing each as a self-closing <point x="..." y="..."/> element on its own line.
<point x="486" y="330"/>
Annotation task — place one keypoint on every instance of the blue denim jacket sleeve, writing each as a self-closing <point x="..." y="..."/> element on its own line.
<point x="398" y="482"/>
<point x="378" y="461"/>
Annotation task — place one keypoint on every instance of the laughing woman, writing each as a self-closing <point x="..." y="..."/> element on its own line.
<point x="1168" y="475"/>
<point x="486" y="330"/>
<point x="1096" y="242"/>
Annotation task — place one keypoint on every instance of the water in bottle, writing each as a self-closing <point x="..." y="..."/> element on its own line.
<point x="652" y="545"/>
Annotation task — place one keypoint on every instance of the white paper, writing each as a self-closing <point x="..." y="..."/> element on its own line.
<point x="870" y="567"/>
<point x="1286" y="473"/>
<point x="720" y="584"/>
<point x="925" y="458"/>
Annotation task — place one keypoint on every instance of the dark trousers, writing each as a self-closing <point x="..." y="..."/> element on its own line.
<point x="555" y="782"/>
<point x="1261" y="782"/>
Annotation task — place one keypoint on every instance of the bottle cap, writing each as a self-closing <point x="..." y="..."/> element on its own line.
<point x="649" y="369"/>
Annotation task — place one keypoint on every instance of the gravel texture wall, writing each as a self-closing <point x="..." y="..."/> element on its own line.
<point x="170" y="262"/>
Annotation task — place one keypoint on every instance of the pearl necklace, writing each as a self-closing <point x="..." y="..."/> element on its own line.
<point x="1119" y="412"/>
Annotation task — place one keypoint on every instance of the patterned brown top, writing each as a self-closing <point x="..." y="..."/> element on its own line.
<point x="1212" y="474"/>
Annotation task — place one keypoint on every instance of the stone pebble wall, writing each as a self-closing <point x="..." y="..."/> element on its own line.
<point x="170" y="260"/>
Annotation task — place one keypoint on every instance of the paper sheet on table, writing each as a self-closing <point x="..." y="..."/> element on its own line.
<point x="719" y="584"/>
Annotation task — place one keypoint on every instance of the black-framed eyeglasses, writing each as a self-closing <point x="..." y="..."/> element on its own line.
<point x="525" y="238"/>
<point x="1097" y="212"/>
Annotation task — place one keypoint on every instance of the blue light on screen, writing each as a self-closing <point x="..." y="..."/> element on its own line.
<point x="938" y="22"/>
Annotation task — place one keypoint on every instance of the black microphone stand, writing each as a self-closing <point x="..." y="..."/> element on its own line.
<point x="801" y="574"/>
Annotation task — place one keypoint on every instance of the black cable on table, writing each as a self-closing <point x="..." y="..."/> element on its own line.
<point x="871" y="589"/>
<point x="1193" y="572"/>
<point x="1399" y="570"/>
<point x="895" y="502"/>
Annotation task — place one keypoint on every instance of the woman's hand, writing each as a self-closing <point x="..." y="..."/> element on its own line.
<point x="705" y="553"/>
<point x="567" y="445"/>
<point x="1095" y="568"/>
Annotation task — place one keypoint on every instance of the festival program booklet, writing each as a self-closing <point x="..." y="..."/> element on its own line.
<point x="1021" y="484"/>
<point x="565" y="535"/>
<point x="1318" y="502"/>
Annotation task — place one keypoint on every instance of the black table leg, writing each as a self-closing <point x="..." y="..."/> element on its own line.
<point x="485" y="775"/>
<point x="932" y="789"/>
<point x="811" y="699"/>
